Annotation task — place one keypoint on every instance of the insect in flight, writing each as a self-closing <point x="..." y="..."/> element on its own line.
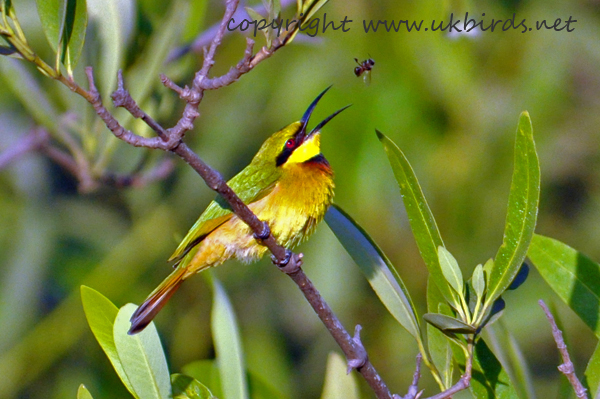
<point x="364" y="68"/>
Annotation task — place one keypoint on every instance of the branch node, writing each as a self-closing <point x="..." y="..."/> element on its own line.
<point x="122" y="98"/>
<point x="264" y="233"/>
<point x="291" y="263"/>
<point x="190" y="95"/>
<point x="360" y="357"/>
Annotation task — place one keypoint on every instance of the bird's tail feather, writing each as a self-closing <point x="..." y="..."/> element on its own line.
<point x="155" y="301"/>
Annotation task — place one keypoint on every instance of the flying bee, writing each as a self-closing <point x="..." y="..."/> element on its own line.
<point x="364" y="68"/>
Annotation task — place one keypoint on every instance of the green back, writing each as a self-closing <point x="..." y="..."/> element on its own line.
<point x="251" y="184"/>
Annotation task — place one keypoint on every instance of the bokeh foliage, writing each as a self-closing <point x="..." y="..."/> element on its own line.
<point x="450" y="103"/>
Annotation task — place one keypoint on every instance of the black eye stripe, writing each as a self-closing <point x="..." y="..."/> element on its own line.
<point x="284" y="155"/>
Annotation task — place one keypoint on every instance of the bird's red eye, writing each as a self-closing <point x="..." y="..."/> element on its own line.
<point x="290" y="143"/>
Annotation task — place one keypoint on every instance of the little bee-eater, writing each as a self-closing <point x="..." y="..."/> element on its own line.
<point x="288" y="184"/>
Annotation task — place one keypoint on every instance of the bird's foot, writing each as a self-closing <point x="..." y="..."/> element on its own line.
<point x="360" y="354"/>
<point x="264" y="233"/>
<point x="290" y="263"/>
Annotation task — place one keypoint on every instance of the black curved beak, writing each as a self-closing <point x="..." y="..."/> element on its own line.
<point x="306" y="117"/>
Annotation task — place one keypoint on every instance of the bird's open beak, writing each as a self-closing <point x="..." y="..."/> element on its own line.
<point x="305" y="118"/>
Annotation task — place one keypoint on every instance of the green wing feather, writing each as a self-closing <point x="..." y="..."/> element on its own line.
<point x="251" y="184"/>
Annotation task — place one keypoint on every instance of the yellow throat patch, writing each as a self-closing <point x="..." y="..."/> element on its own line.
<point x="307" y="150"/>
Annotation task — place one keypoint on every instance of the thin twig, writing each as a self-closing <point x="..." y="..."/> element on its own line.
<point x="413" y="390"/>
<point x="567" y="368"/>
<point x="205" y="38"/>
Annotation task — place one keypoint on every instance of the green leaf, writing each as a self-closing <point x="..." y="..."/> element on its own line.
<point x="257" y="17"/>
<point x="83" y="393"/>
<point x="478" y="281"/>
<point x="338" y="384"/>
<point x="592" y="373"/>
<point x="52" y="16"/>
<point x="572" y="275"/>
<point x="490" y="380"/>
<point x="488" y="266"/>
<point x="276" y="8"/>
<point x="207" y="372"/>
<point x="101" y="314"/>
<point x="450" y="269"/>
<point x="380" y="273"/>
<point x="185" y="387"/>
<point x="142" y="357"/>
<point x="228" y="345"/>
<point x="437" y="343"/>
<point x="420" y="217"/>
<point x="506" y="347"/>
<point x="73" y="35"/>
<point x="448" y="324"/>
<point x="522" y="212"/>
<point x="64" y="23"/>
<point x="253" y="14"/>
<point x="310" y="7"/>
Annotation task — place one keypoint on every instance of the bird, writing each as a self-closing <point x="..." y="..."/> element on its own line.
<point x="288" y="184"/>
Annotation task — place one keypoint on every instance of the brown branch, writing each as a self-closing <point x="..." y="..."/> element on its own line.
<point x="567" y="368"/>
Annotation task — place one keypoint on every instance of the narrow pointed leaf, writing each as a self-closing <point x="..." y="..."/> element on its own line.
<point x="448" y="324"/>
<point x="380" y="273"/>
<point x="73" y="35"/>
<point x="101" y="314"/>
<point x="228" y="345"/>
<point x="420" y="217"/>
<point x="450" y="269"/>
<point x="478" y="281"/>
<point x="142" y="357"/>
<point x="185" y="387"/>
<point x="339" y="384"/>
<point x="83" y="393"/>
<point x="522" y="212"/>
<point x="437" y="343"/>
<point x="253" y="14"/>
<point x="572" y="275"/>
<point x="592" y="373"/>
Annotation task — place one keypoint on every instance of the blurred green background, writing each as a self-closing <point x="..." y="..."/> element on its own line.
<point x="451" y="103"/>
